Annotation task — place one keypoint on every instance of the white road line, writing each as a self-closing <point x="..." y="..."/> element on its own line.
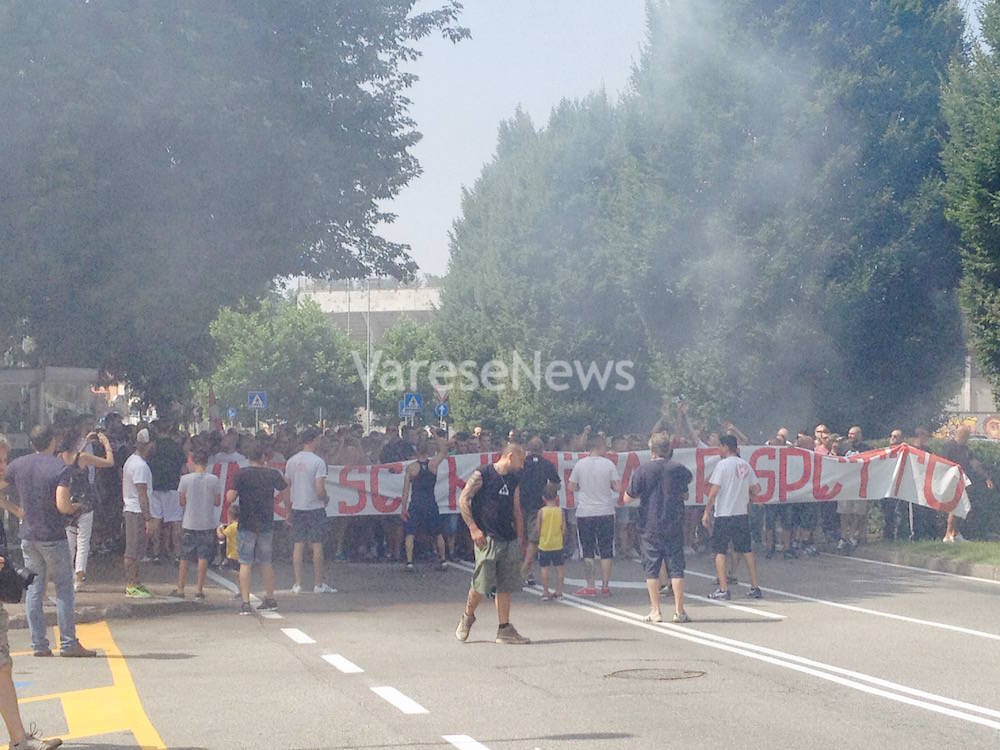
<point x="227" y="584"/>
<point x="344" y="665"/>
<point x="637" y="585"/>
<point x="895" y="692"/>
<point x="404" y="703"/>
<point x="945" y="573"/>
<point x="867" y="611"/>
<point x="297" y="635"/>
<point x="463" y="742"/>
<point x="738" y="607"/>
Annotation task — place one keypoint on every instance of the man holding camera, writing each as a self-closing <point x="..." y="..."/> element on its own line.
<point x="41" y="482"/>
<point x="19" y="738"/>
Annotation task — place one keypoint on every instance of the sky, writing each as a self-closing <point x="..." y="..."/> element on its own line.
<point x="527" y="53"/>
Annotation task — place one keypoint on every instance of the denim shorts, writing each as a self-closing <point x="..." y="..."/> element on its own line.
<point x="254" y="547"/>
<point x="309" y="526"/>
<point x="197" y="545"/>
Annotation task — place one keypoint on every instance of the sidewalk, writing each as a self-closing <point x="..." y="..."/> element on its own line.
<point x="103" y="594"/>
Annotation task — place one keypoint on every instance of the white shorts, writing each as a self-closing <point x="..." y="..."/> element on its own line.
<point x="166" y="506"/>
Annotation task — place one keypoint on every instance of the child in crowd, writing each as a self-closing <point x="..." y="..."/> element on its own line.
<point x="200" y="494"/>
<point x="551" y="529"/>
<point x="227" y="536"/>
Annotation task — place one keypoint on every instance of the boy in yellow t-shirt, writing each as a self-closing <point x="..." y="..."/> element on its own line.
<point x="551" y="528"/>
<point x="226" y="533"/>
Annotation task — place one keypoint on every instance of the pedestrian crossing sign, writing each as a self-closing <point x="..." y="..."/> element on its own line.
<point x="413" y="403"/>
<point x="257" y="400"/>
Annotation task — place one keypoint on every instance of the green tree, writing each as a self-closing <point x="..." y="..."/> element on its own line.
<point x="163" y="160"/>
<point x="759" y="223"/>
<point x="402" y="364"/>
<point x="293" y="353"/>
<point x="531" y="273"/>
<point x="972" y="161"/>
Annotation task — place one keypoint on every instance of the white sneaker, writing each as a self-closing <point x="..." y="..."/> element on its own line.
<point x="324" y="589"/>
<point x="296" y="589"/>
<point x="949" y="540"/>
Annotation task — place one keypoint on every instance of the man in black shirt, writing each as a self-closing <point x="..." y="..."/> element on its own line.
<point x="491" y="507"/>
<point x="254" y="487"/>
<point x="661" y="487"/>
<point x="166" y="463"/>
<point x="537" y="472"/>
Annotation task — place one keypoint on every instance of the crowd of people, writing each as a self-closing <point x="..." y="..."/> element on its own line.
<point x="152" y="494"/>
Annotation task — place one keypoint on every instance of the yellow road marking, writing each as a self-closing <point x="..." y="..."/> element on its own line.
<point x="105" y="710"/>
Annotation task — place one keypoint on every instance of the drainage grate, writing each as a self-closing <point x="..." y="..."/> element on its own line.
<point x="656" y="674"/>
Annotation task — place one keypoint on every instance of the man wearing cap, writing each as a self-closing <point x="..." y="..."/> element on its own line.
<point x="137" y="485"/>
<point x="729" y="489"/>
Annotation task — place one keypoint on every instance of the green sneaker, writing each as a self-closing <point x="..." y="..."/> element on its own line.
<point x="138" y="592"/>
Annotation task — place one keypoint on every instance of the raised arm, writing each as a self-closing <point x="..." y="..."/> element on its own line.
<point x="89" y="459"/>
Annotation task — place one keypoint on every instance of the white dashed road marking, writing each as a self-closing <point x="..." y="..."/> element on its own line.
<point x="463" y="742"/>
<point x="404" y="703"/>
<point x="344" y="665"/>
<point x="297" y="635"/>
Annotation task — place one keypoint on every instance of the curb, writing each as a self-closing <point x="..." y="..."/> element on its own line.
<point x="931" y="562"/>
<point x="118" y="610"/>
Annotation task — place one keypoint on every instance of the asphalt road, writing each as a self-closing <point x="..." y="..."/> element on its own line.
<point x="840" y="653"/>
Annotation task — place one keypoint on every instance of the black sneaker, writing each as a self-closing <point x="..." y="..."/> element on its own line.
<point x="754" y="593"/>
<point x="408" y="567"/>
<point x="268" y="605"/>
<point x="246" y="609"/>
<point x="719" y="594"/>
<point x="529" y="581"/>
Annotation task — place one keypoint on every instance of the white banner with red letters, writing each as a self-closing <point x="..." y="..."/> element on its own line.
<point x="786" y="475"/>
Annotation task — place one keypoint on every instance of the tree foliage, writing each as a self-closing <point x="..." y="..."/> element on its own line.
<point x="531" y="271"/>
<point x="759" y="223"/>
<point x="292" y="352"/>
<point x="404" y="358"/>
<point x="972" y="162"/>
<point x="163" y="160"/>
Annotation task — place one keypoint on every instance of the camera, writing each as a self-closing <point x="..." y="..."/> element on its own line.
<point x="13" y="582"/>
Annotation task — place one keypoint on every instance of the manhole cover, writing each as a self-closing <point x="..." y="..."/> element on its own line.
<point x="656" y="674"/>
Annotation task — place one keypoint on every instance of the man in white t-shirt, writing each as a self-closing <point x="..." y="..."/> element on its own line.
<point x="732" y="483"/>
<point x="596" y="486"/>
<point x="305" y="474"/>
<point x="137" y="486"/>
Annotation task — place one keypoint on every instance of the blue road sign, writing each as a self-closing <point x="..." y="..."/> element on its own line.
<point x="232" y="413"/>
<point x="257" y="399"/>
<point x="441" y="410"/>
<point x="403" y="413"/>
<point x="413" y="402"/>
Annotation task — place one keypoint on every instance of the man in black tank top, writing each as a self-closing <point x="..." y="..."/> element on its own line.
<point x="420" y="512"/>
<point x="491" y="507"/>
